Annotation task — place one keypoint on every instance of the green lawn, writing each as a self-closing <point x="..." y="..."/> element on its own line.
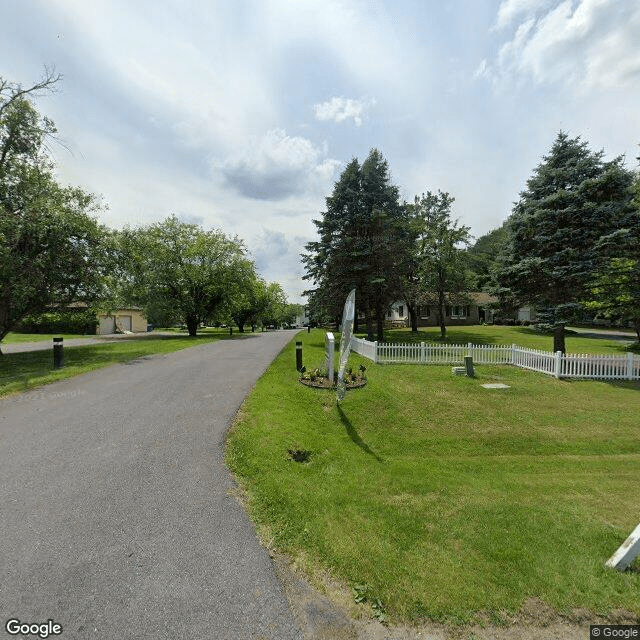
<point x="498" y="334"/>
<point x="20" y="371"/>
<point x="443" y="498"/>
<point x="19" y="338"/>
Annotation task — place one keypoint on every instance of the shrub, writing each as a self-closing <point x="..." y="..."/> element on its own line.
<point x="68" y="321"/>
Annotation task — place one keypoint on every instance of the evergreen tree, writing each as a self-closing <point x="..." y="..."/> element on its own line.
<point x="362" y="243"/>
<point x="572" y="201"/>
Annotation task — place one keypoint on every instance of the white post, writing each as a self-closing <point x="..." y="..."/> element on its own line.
<point x="627" y="552"/>
<point x="375" y="351"/>
<point x="330" y="344"/>
<point x="423" y="352"/>
<point x="629" y="366"/>
<point x="513" y="353"/>
<point x="558" y="363"/>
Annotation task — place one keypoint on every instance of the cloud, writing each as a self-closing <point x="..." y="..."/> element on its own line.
<point x="509" y="10"/>
<point x="277" y="166"/>
<point x="589" y="43"/>
<point x="341" y="109"/>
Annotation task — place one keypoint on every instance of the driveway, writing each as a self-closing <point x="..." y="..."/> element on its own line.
<point x="118" y="516"/>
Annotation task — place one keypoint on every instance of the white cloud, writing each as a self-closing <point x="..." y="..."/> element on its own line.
<point x="278" y="165"/>
<point x="509" y="10"/>
<point x="341" y="109"/>
<point x="591" y="43"/>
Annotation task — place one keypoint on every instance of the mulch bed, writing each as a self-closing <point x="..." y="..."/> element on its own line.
<point x="323" y="383"/>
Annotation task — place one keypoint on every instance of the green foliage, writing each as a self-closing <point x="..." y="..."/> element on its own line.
<point x="573" y="202"/>
<point x="363" y="243"/>
<point x="67" y="321"/>
<point x="52" y="251"/>
<point x="483" y="255"/>
<point x="183" y="270"/>
<point x="442" y="275"/>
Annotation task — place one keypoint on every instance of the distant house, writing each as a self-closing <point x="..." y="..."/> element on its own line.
<point x="477" y="311"/>
<point x="121" y="321"/>
<point x="302" y="319"/>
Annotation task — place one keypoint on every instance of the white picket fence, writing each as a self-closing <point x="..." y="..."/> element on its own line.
<point x="571" y="365"/>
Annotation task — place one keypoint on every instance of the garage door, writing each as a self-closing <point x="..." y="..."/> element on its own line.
<point x="107" y="325"/>
<point x="124" y="322"/>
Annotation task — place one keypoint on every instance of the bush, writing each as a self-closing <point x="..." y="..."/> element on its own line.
<point x="69" y="321"/>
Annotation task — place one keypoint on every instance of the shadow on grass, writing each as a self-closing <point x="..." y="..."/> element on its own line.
<point x="355" y="438"/>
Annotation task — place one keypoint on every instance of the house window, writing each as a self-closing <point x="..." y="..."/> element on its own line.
<point x="389" y="314"/>
<point x="401" y="311"/>
<point x="459" y="311"/>
<point x="424" y="311"/>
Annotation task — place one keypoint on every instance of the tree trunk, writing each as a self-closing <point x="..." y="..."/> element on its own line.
<point x="192" y="325"/>
<point x="356" y="324"/>
<point x="413" y="316"/>
<point x="441" y="314"/>
<point x="558" y="339"/>
<point x="369" y="322"/>
<point x="240" y="326"/>
<point x="380" y="322"/>
<point x="636" y="326"/>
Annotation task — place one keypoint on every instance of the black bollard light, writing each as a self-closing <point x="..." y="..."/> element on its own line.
<point x="58" y="355"/>
<point x="230" y="331"/>
<point x="308" y="328"/>
<point x="298" y="356"/>
<point x="253" y="328"/>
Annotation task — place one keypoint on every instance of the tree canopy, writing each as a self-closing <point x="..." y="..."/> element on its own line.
<point x="572" y="202"/>
<point x="362" y="242"/>
<point x="52" y="250"/>
<point x="181" y="268"/>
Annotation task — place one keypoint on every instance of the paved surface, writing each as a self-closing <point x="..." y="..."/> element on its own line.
<point x="117" y="514"/>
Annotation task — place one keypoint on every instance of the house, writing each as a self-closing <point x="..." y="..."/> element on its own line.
<point x="121" y="321"/>
<point x="476" y="311"/>
<point x="302" y="319"/>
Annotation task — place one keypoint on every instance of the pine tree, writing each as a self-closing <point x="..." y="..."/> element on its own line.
<point x="572" y="201"/>
<point x="361" y="243"/>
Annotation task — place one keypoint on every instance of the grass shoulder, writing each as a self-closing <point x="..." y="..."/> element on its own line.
<point x="439" y="498"/>
<point x="25" y="370"/>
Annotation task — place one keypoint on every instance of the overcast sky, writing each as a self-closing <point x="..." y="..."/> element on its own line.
<point x="241" y="114"/>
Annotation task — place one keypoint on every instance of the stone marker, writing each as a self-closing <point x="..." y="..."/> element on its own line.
<point x="468" y="363"/>
<point x="458" y="371"/>
<point x="627" y="552"/>
<point x="496" y="385"/>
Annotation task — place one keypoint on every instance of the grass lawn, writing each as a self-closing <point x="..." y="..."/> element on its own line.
<point x="441" y="498"/>
<point x="498" y="334"/>
<point x="19" y="338"/>
<point x="21" y="371"/>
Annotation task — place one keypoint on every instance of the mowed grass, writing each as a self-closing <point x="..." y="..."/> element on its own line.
<point x="522" y="336"/>
<point x="22" y="371"/>
<point x="444" y="498"/>
<point x="20" y="338"/>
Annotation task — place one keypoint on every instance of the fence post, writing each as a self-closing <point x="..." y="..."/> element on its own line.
<point x="423" y="352"/>
<point x="629" y="366"/>
<point x="375" y="351"/>
<point x="558" y="363"/>
<point x="513" y="353"/>
<point x="470" y="346"/>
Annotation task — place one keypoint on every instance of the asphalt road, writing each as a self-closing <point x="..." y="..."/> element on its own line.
<point x="118" y="519"/>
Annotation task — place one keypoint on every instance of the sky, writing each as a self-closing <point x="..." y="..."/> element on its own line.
<point x="240" y="115"/>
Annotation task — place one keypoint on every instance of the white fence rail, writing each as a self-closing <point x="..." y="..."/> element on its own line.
<point x="595" y="367"/>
